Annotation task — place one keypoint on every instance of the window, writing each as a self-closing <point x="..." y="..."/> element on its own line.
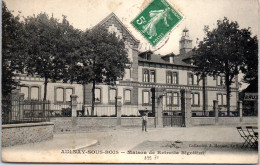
<point x="152" y="76"/>
<point x="97" y="95"/>
<point x="25" y="91"/>
<point x="146" y="97"/>
<point x="222" y="99"/>
<point x="149" y="75"/>
<point x="190" y="79"/>
<point x="171" y="77"/>
<point x="169" y="98"/>
<point x="147" y="56"/>
<point x="195" y="99"/>
<point x="69" y="91"/>
<point x="112" y="95"/>
<point x="35" y="93"/>
<point x="127" y="96"/>
<point x="59" y="94"/>
<point x="172" y="98"/>
<point x="193" y="79"/>
<point x="174" y="78"/>
<point x="175" y="98"/>
<point x="31" y="92"/>
<point x="146" y="76"/>
<point x="62" y="94"/>
<point x="220" y="80"/>
<point x="127" y="75"/>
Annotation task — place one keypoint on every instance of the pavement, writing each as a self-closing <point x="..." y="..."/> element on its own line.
<point x="113" y="145"/>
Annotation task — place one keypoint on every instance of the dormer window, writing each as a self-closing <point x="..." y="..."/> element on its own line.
<point x="147" y="56"/>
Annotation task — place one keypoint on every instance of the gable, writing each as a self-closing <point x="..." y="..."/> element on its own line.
<point x="113" y="24"/>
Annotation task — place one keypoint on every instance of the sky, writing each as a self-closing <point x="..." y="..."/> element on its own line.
<point x="84" y="14"/>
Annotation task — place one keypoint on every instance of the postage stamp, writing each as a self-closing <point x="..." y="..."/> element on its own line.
<point x="156" y="20"/>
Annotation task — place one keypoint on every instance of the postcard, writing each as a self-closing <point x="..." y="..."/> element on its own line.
<point x="139" y="81"/>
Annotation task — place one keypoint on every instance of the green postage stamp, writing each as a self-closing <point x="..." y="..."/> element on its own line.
<point x="156" y="20"/>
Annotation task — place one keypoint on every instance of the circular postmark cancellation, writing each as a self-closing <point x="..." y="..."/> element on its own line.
<point x="156" y="22"/>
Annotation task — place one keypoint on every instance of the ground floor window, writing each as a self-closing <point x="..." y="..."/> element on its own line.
<point x="146" y="97"/>
<point x="62" y="94"/>
<point x="98" y="95"/>
<point x="112" y="95"/>
<point x="172" y="98"/>
<point x="34" y="93"/>
<point x="127" y="96"/>
<point x="59" y="94"/>
<point x="195" y="99"/>
<point x="25" y="91"/>
<point x="31" y="92"/>
<point x="222" y="99"/>
<point x="69" y="91"/>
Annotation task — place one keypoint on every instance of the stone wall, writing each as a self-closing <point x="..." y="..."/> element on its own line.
<point x="136" y="122"/>
<point x="224" y="121"/>
<point x="16" y="134"/>
<point x="203" y="121"/>
<point x="64" y="124"/>
<point x="250" y="120"/>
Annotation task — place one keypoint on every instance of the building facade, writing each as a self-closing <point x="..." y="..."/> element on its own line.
<point x="146" y="70"/>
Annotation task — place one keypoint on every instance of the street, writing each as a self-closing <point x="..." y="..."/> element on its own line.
<point x="114" y="144"/>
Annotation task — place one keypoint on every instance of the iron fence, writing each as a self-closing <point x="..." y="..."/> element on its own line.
<point x="99" y="110"/>
<point x="110" y="110"/>
<point x="223" y="111"/>
<point x="250" y="108"/>
<point x="16" y="110"/>
<point x="131" y="110"/>
<point x="203" y="113"/>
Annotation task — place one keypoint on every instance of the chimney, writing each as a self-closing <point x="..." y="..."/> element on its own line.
<point x="171" y="59"/>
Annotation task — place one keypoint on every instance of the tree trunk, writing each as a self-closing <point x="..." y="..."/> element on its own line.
<point x="204" y="93"/>
<point x="45" y="88"/>
<point x="228" y="98"/>
<point x="93" y="98"/>
<point x="227" y="83"/>
<point x="45" y="95"/>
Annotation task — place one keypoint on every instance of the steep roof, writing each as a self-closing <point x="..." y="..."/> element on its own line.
<point x="177" y="59"/>
<point x="113" y="18"/>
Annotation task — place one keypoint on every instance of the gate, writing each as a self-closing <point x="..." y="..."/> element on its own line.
<point x="172" y="118"/>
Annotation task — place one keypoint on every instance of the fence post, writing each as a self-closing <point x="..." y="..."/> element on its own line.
<point x="186" y="107"/>
<point x="118" y="106"/>
<point x="21" y="105"/>
<point x="73" y="99"/>
<point x="157" y="106"/>
<point x="255" y="107"/>
<point x="240" y="110"/>
<point x="215" y="108"/>
<point x="15" y="104"/>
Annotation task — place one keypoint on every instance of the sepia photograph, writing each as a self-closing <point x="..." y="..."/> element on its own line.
<point x="138" y="81"/>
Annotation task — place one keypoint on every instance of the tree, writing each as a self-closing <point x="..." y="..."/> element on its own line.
<point x="250" y="68"/>
<point x="222" y="52"/>
<point x="47" y="43"/>
<point x="102" y="58"/>
<point x="13" y="49"/>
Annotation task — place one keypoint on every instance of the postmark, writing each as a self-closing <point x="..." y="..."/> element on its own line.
<point x="156" y="20"/>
